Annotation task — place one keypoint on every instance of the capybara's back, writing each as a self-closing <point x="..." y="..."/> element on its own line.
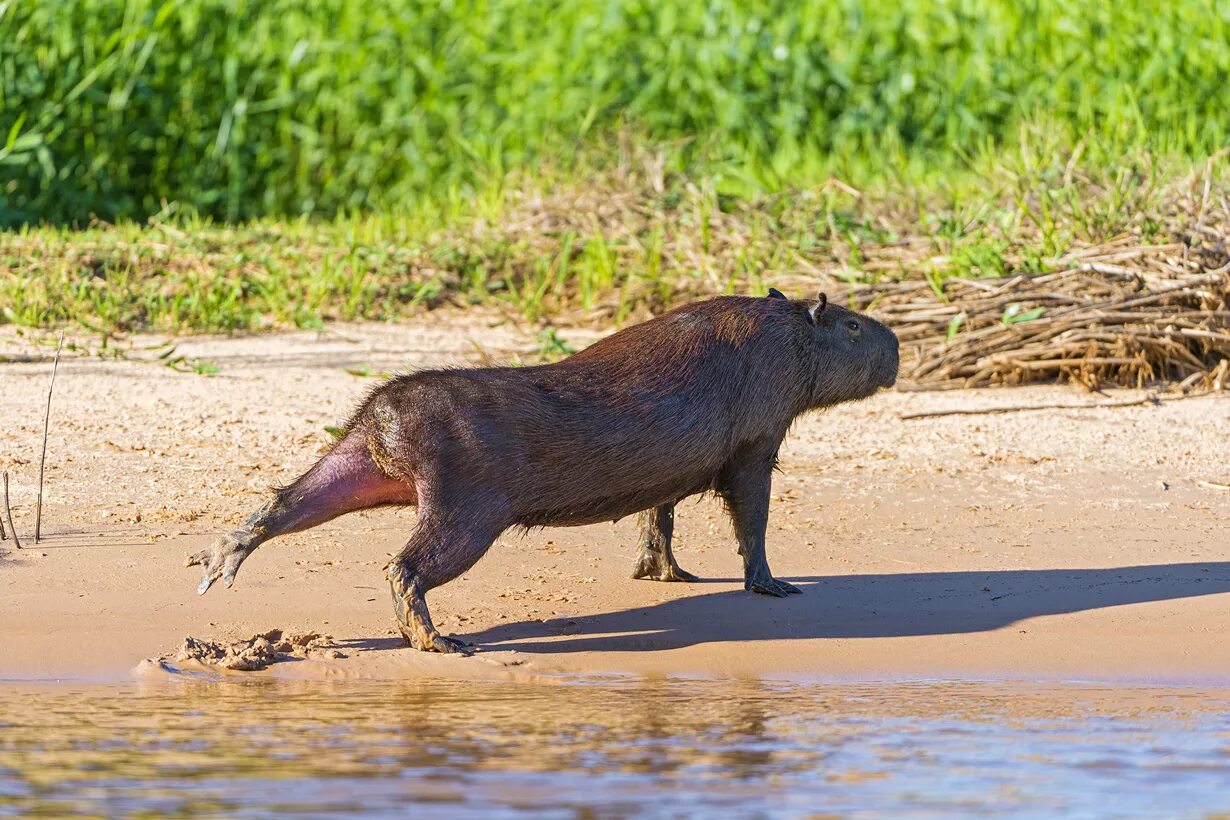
<point x="696" y="400"/>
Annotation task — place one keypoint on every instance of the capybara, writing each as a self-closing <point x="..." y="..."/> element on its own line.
<point x="696" y="400"/>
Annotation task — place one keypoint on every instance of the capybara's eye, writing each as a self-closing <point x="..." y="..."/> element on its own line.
<point x="853" y="325"/>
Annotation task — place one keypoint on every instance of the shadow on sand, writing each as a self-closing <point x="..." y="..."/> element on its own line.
<point x="863" y="606"/>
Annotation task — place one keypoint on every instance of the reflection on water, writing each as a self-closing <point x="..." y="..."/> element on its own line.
<point x="256" y="748"/>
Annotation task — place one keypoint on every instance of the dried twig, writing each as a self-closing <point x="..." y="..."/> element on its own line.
<point x="1091" y="324"/>
<point x="483" y="356"/>
<point x="8" y="513"/>
<point x="38" y="509"/>
<point x="1016" y="408"/>
<point x="1212" y="485"/>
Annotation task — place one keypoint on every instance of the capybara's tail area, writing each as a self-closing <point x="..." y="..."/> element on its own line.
<point x="345" y="480"/>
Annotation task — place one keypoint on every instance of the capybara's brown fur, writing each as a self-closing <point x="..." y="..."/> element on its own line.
<point x="696" y="400"/>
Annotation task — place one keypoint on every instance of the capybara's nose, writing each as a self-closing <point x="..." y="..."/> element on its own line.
<point x="892" y="359"/>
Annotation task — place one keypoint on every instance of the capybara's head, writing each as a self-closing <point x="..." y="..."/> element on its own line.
<point x="857" y="354"/>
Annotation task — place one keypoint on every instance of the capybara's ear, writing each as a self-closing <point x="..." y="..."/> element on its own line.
<point x="819" y="307"/>
<point x="774" y="293"/>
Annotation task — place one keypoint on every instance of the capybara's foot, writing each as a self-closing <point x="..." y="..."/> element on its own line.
<point x="651" y="566"/>
<point x="221" y="560"/>
<point x="414" y="621"/>
<point x="445" y="646"/>
<point x="430" y="640"/>
<point x="768" y="585"/>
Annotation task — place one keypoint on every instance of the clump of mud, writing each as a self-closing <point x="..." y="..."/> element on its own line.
<point x="257" y="652"/>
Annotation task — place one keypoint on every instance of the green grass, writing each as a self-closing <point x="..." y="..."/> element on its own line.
<point x="608" y="247"/>
<point x="236" y="109"/>
<point x="226" y="165"/>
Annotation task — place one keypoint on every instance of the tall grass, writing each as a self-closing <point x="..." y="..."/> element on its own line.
<point x="614" y="246"/>
<point x="236" y="108"/>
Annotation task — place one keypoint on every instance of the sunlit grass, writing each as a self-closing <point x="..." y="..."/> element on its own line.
<point x="225" y="165"/>
<point x="236" y="110"/>
<point x="630" y="239"/>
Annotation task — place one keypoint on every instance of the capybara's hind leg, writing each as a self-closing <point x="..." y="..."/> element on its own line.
<point x="655" y="560"/>
<point x="440" y="549"/>
<point x="343" y="481"/>
<point x="414" y="621"/>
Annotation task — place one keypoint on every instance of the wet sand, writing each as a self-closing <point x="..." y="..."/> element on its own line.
<point x="1063" y="544"/>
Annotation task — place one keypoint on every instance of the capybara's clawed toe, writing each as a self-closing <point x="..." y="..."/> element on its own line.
<point x="429" y="640"/>
<point x="664" y="574"/>
<point x="651" y="567"/>
<point x="772" y="586"/>
<point x="220" y="561"/>
<point x="448" y="646"/>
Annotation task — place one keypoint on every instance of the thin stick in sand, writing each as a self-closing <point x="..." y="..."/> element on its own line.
<point x="38" y="509"/>
<point x="1017" y="408"/>
<point x="8" y="513"/>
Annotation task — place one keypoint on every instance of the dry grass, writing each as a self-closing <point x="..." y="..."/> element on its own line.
<point x="1041" y="271"/>
<point x="1145" y="301"/>
<point x="1120" y="314"/>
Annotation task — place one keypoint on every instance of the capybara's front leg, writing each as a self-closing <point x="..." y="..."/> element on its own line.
<point x="440" y="550"/>
<point x="745" y="486"/>
<point x="655" y="560"/>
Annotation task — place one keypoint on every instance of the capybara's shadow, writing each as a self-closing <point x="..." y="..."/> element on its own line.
<point x="863" y="606"/>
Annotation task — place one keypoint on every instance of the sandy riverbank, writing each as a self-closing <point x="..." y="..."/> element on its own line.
<point x="1048" y="544"/>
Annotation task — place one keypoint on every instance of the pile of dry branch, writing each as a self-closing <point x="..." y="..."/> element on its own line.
<point x="1130" y="311"/>
<point x="1097" y="321"/>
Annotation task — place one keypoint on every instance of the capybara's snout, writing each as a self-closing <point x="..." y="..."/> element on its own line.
<point x="882" y="352"/>
<point x="890" y="358"/>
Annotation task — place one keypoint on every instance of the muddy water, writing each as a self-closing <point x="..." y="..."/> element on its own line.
<point x="258" y="748"/>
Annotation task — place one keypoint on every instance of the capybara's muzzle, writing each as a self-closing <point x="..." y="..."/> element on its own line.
<point x="891" y="360"/>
